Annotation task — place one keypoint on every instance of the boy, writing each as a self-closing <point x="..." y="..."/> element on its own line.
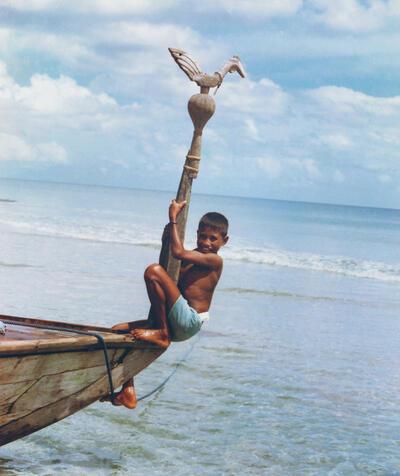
<point x="178" y="311"/>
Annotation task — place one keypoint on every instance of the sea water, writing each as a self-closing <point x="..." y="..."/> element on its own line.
<point x="296" y="373"/>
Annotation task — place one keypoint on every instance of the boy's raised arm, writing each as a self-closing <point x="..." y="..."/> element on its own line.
<point x="210" y="260"/>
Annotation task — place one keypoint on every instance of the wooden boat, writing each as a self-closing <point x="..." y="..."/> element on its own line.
<point x="49" y="370"/>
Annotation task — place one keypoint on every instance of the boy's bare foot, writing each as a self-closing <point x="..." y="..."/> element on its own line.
<point x="126" y="397"/>
<point x="155" y="336"/>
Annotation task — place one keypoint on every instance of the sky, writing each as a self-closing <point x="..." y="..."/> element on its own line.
<point x="89" y="94"/>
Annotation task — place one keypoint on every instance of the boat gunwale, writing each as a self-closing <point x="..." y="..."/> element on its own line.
<point x="48" y="345"/>
<point x="66" y="325"/>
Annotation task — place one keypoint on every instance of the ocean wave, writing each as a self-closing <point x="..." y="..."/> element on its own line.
<point x="87" y="232"/>
<point x="314" y="262"/>
<point x="127" y="235"/>
<point x="272" y="293"/>
<point x="15" y="265"/>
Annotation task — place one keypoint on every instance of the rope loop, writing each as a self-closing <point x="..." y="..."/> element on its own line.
<point x="193" y="157"/>
<point x="177" y="365"/>
<point x="191" y="169"/>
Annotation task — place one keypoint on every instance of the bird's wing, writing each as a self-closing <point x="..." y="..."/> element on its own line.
<point x="185" y="62"/>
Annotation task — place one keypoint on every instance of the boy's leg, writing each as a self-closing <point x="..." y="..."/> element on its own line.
<point x="163" y="293"/>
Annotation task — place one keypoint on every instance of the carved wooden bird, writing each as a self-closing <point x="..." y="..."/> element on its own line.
<point x="205" y="81"/>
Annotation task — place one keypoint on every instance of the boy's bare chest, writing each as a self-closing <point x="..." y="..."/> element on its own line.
<point x="189" y="269"/>
<point x="191" y="274"/>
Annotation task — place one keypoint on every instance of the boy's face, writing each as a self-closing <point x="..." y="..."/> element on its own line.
<point x="210" y="240"/>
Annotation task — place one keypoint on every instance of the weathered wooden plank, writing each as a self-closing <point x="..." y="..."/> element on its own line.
<point x="20" y="369"/>
<point x="10" y="392"/>
<point x="135" y="362"/>
<point x="55" y="387"/>
<point x="20" y="399"/>
<point x="9" y="417"/>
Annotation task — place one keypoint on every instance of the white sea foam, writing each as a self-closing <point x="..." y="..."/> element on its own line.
<point x="332" y="264"/>
<point x="114" y="233"/>
<point x="14" y="265"/>
<point x="101" y="233"/>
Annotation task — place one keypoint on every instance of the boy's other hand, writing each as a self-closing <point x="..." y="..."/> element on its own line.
<point x="175" y="209"/>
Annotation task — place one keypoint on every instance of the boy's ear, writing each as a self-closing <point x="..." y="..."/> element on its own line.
<point x="226" y="239"/>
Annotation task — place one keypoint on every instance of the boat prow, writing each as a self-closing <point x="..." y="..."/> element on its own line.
<point x="49" y="370"/>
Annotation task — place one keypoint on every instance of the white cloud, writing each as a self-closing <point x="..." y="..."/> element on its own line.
<point x="272" y="167"/>
<point x="350" y="14"/>
<point x="70" y="49"/>
<point x="355" y="15"/>
<point x="119" y="51"/>
<point x="60" y="96"/>
<point x="13" y="147"/>
<point x="249" y="8"/>
<point x="51" y="152"/>
<point x="259" y="98"/>
<point x="384" y="178"/>
<point x="29" y="4"/>
<point x="253" y="8"/>
<point x="308" y="166"/>
<point x="337" y="140"/>
<point x="7" y="84"/>
<point x="252" y="129"/>
<point x="4" y="37"/>
<point x="123" y="6"/>
<point x="16" y="148"/>
<point x="345" y="100"/>
<point x="106" y="7"/>
<point x="338" y="176"/>
<point x="147" y="34"/>
<point x="53" y="107"/>
<point x="60" y="102"/>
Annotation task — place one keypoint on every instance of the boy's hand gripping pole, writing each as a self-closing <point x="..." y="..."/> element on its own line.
<point x="201" y="107"/>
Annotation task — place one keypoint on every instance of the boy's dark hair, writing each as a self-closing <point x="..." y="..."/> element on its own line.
<point x="215" y="220"/>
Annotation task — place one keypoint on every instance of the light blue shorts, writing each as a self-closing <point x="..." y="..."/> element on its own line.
<point x="184" y="321"/>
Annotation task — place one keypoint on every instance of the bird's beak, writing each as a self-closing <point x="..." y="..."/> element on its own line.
<point x="238" y="67"/>
<point x="241" y="70"/>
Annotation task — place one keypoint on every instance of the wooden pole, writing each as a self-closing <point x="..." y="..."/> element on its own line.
<point x="201" y="107"/>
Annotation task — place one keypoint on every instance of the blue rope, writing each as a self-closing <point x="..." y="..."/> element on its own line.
<point x="177" y="365"/>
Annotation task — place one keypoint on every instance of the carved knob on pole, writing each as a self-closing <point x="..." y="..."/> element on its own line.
<point x="201" y="107"/>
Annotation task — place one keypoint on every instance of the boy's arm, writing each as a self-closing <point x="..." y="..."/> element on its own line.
<point x="209" y="260"/>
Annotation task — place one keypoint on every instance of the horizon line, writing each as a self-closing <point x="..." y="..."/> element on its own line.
<point x="124" y="187"/>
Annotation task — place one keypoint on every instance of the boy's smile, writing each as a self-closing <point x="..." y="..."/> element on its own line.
<point x="210" y="240"/>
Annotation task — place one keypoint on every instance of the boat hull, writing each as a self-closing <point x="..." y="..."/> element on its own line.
<point x="47" y="384"/>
